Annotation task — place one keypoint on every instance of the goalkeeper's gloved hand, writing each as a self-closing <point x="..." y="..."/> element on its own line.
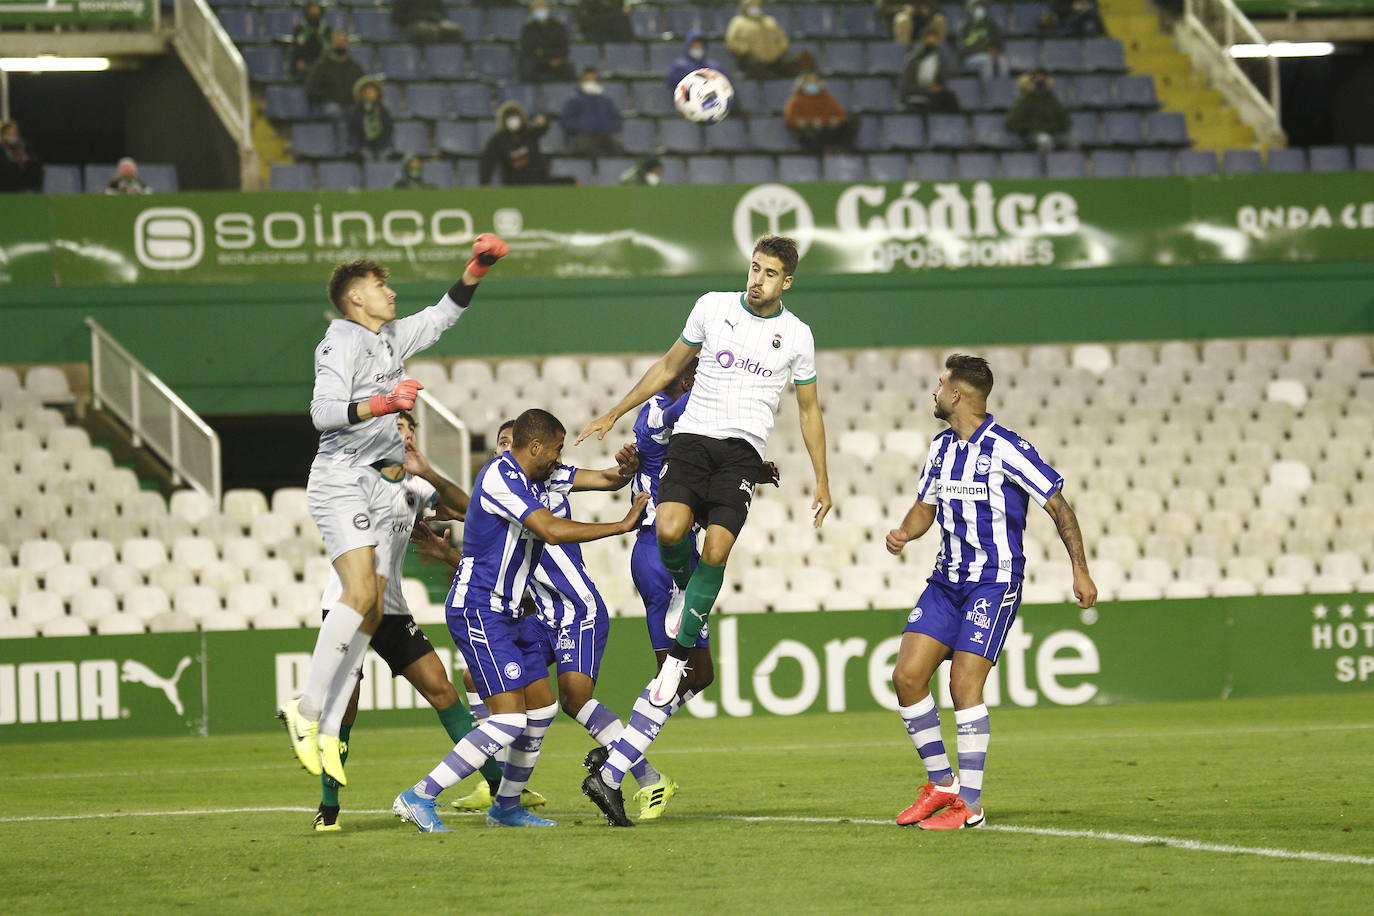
<point x="486" y="251"/>
<point x="402" y="397"/>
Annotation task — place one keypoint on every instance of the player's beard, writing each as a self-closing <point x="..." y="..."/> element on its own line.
<point x="941" y="413"/>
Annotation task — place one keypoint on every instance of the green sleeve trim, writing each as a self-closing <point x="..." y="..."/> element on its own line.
<point x="690" y="343"/>
<point x="806" y="381"/>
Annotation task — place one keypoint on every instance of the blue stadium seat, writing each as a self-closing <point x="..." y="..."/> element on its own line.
<point x="428" y="100"/>
<point x="775" y="95"/>
<point x="338" y="175"/>
<point x="1154" y="163"/>
<point x="61" y="179"/>
<point x="1364" y="158"/>
<point x="678" y="136"/>
<point x="378" y="176"/>
<point x="868" y="93"/>
<point x="295" y="177"/>
<point x="932" y="167"/>
<point x="281" y="22"/>
<point x="841" y="89"/>
<point x="842" y="167"/>
<point x="466" y="173"/>
<point x="858" y="21"/>
<point x="439" y="173"/>
<point x="748" y="96"/>
<point x="990" y="131"/>
<point x="472" y="100"/>
<point x="554" y="142"/>
<point x="505" y="21"/>
<point x="367" y="57"/>
<point x="638" y="135"/>
<point x="661" y="56"/>
<point x="446" y="62"/>
<point x="716" y="19"/>
<point x="884" y="57"/>
<point x="1062" y="55"/>
<point x="644" y="23"/>
<point x="1093" y="91"/>
<point x="1111" y="164"/>
<point x="314" y="140"/>
<point x="674" y="169"/>
<point x="1197" y="162"/>
<point x="160" y="176"/>
<point x="1329" y="159"/>
<point x="1000" y="93"/>
<point x="794" y="169"/>
<point x="1122" y="128"/>
<point x="265" y="64"/>
<point x="729" y="136"/>
<point x="651" y="97"/>
<point x="610" y="168"/>
<point x="754" y="169"/>
<point x="1104" y="55"/>
<point x="902" y="131"/>
<point x="770" y="135"/>
<point x="680" y="20"/>
<point x="492" y="62"/>
<point x="286" y="103"/>
<point x="457" y="138"/>
<point x="975" y="166"/>
<point x="947" y="131"/>
<point x="1022" y="54"/>
<point x="393" y="96"/>
<point x="401" y="62"/>
<point x="96" y="175"/>
<point x="1240" y="161"/>
<point x="1021" y="165"/>
<point x="968" y="90"/>
<point x="814" y="20"/>
<point x="527" y="95"/>
<point x="579" y="167"/>
<point x="708" y="170"/>
<point x="1136" y="92"/>
<point x="1065" y="164"/>
<point x="374" y="25"/>
<point x="1084" y="127"/>
<point x="870" y="134"/>
<point x="1025" y="18"/>
<point x="888" y="167"/>
<point x="1291" y="159"/>
<point x="844" y="57"/>
<point x="242" y="25"/>
<point x="412" y="137"/>
<point x="625" y="59"/>
<point x="1166" y="128"/>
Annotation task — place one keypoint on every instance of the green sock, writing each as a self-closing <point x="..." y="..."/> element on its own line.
<point x="329" y="789"/>
<point x="678" y="559"/>
<point x="701" y="596"/>
<point x="458" y="721"/>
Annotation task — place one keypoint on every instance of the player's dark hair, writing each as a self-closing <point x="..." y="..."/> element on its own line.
<point x="347" y="273"/>
<point x="782" y="248"/>
<point x="972" y="371"/>
<point x="408" y="417"/>
<point x="535" y="424"/>
<point x="688" y="371"/>
<point x="503" y="427"/>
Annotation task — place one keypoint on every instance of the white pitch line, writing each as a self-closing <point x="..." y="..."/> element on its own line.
<point x="1136" y="839"/>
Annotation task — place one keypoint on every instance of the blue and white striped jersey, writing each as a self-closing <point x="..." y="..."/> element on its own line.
<point x="981" y="489"/>
<point x="653" y="428"/>
<point x="499" y="552"/>
<point x="560" y="587"/>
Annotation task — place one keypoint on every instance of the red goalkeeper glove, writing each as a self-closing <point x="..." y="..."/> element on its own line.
<point x="486" y="251"/>
<point x="402" y="397"/>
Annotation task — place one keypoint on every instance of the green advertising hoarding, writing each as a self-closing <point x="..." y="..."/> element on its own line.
<point x="48" y="13"/>
<point x="865" y="228"/>
<point x="766" y="664"/>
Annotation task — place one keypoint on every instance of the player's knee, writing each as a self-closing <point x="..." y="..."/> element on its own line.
<point x="965" y="691"/>
<point x="907" y="684"/>
<point x="441" y="695"/>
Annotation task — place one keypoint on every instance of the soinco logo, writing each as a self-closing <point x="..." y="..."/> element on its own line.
<point x="783" y="212"/>
<point x="87" y="691"/>
<point x="169" y="238"/>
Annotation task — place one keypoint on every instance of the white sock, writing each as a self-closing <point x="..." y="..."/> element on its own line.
<point x="522" y="755"/>
<point x="331" y="647"/>
<point x="341" y="690"/>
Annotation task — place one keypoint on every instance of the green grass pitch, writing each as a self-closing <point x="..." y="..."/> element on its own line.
<point x="1213" y="807"/>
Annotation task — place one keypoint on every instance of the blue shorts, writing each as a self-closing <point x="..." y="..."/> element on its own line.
<point x="968" y="616"/>
<point x="578" y="646"/>
<point x="655" y="586"/>
<point x="497" y="649"/>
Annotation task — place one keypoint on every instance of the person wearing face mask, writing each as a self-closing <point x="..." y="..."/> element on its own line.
<point x="605" y="20"/>
<point x="126" y="180"/>
<point x="694" y="56"/>
<point x="978" y="35"/>
<point x="309" y="40"/>
<point x="20" y="169"/>
<point x="330" y="83"/>
<point x="590" y="120"/>
<point x="1038" y="116"/>
<point x="543" y="49"/>
<point x="645" y="172"/>
<point x="816" y="118"/>
<point x="412" y="177"/>
<point x="369" y="123"/>
<point x="513" y="151"/>
<point x="759" y="43"/>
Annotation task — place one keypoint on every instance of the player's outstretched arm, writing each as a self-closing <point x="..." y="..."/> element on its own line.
<point x="433" y="547"/>
<point x="813" y="434"/>
<point x="420" y="331"/>
<point x="916" y="523"/>
<point x="655" y="379"/>
<point x="1067" y="522"/>
<point x="551" y="529"/>
<point x="448" y="495"/>
<point x="627" y="462"/>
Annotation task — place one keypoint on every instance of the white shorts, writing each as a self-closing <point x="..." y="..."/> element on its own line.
<point x="350" y="506"/>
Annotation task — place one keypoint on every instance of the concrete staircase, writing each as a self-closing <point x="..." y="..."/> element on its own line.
<point x="271" y="146"/>
<point x="1150" y="51"/>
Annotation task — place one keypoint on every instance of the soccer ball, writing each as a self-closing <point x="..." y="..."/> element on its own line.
<point x="703" y="96"/>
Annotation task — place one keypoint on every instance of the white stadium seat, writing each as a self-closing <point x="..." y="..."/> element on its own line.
<point x="92" y="554"/>
<point x="1344" y="565"/>
<point x="146" y="602"/>
<point x="191" y="505"/>
<point x="143" y="554"/>
<point x="273" y="574"/>
<point x="119" y="578"/>
<point x="194" y="553"/>
<point x="66" y="626"/>
<point x="269" y="529"/>
<point x="66" y="580"/>
<point x="224" y="620"/>
<point x="290" y="502"/>
<point x="38" y="607"/>
<point x="11" y="628"/>
<point x="1281" y="586"/>
<point x="1286" y="391"/>
<point x="195" y="601"/>
<point x="94" y="604"/>
<point x="171" y="622"/>
<point x="243" y="505"/>
<point x="48" y="383"/>
<point x="248" y="600"/>
<point x="120" y="625"/>
<point x="221" y="576"/>
<point x="171" y="577"/>
<point x="1235" y="588"/>
<point x="37" y="557"/>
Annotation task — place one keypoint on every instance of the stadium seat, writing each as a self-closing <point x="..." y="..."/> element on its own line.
<point x="314" y="140"/>
<point x="947" y="131"/>
<point x="729" y="136"/>
<point x="1166" y="128"/>
<point x="445" y="61"/>
<point x="1364" y="158"/>
<point x="1240" y="161"/>
<point x="339" y="175"/>
<point x="1289" y="159"/>
<point x="93" y="604"/>
<point x="293" y="177"/>
<point x="902" y="131"/>
<point x="1103" y="55"/>
<point x="975" y="166"/>
<point x="61" y="179"/>
<point x="800" y="168"/>
<point x="679" y="136"/>
<point x="493" y="62"/>
<point x="1136" y="92"/>
<point x="888" y="167"/>
<point x="989" y="131"/>
<point x="765" y="134"/>
<point x="1093" y="91"/>
<point x="754" y="169"/>
<point x="1197" y="162"/>
<point x="37" y="557"/>
<point x="1122" y="128"/>
<point x="1153" y="163"/>
<point x="195" y="601"/>
<point x="1023" y="165"/>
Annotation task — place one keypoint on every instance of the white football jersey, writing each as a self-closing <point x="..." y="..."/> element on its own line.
<point x="746" y="362"/>
<point x="410" y="498"/>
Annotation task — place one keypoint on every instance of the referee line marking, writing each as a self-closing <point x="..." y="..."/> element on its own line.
<point x="1136" y="839"/>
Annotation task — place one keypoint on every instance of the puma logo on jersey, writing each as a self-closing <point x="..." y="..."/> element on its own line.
<point x="730" y="323"/>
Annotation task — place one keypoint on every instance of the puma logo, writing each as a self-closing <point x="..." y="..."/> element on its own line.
<point x="730" y="323"/>
<point x="138" y="673"/>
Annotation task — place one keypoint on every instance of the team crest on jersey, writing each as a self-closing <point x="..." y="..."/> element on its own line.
<point x="362" y="522"/>
<point x="979" y="615"/>
<point x="777" y="341"/>
<point x="914" y="616"/>
<point x="983" y="464"/>
<point x="936" y="461"/>
<point x="512" y="670"/>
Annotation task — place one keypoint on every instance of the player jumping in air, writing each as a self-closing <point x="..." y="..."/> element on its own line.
<point x="976" y="484"/>
<point x="508" y="523"/>
<point x="750" y="347"/>
<point x="359" y="379"/>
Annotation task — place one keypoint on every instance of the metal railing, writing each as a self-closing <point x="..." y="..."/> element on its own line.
<point x="156" y="417"/>
<point x="218" y="68"/>
<point x="444" y="439"/>
<point x="1207" y="31"/>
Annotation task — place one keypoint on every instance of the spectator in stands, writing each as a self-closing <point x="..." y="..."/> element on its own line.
<point x="605" y="20"/>
<point x="309" y="40"/>
<point x="425" y="21"/>
<point x="369" y="124"/>
<point x="1074" y="18"/>
<point x="330" y="83"/>
<point x="126" y="180"/>
<point x="925" y="71"/>
<point x="543" y="50"/>
<point x="412" y="175"/>
<point x="995" y="66"/>
<point x="693" y="57"/>
<point x="978" y="35"/>
<point x="645" y="172"/>
<point x="908" y="21"/>
<point x="514" y="150"/>
<point x="816" y="118"/>
<point x="20" y="169"/>
<point x="760" y="45"/>
<point x="1037" y="115"/>
<point x="590" y="120"/>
